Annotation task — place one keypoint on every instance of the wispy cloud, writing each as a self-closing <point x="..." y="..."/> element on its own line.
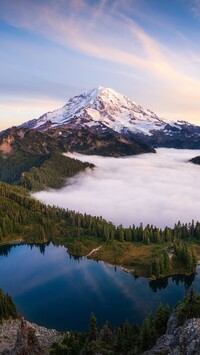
<point x="109" y="31"/>
<point x="195" y="8"/>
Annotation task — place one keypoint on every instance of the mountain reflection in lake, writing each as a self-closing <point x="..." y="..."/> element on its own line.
<point x="55" y="290"/>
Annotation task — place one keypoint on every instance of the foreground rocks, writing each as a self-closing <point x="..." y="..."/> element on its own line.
<point x="20" y="337"/>
<point x="184" y="340"/>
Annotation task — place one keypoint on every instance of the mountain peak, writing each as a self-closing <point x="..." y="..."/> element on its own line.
<point x="102" y="92"/>
<point x="101" y="109"/>
<point x="106" y="93"/>
<point x="104" y="111"/>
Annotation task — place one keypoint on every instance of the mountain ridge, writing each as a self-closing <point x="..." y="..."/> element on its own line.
<point x="99" y="106"/>
<point x="103" y="111"/>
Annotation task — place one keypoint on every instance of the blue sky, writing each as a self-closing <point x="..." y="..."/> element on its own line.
<point x="52" y="50"/>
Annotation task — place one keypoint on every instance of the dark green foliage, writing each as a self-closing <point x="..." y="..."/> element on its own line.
<point x="148" y="334"/>
<point x="126" y="339"/>
<point x="161" y="318"/>
<point x="71" y="345"/>
<point x="155" y="268"/>
<point x="34" y="160"/>
<point x="7" y="307"/>
<point x="104" y="144"/>
<point x="12" y="168"/>
<point x="184" y="255"/>
<point x="93" y="328"/>
<point x="52" y="172"/>
<point x="21" y="149"/>
<point x="195" y="160"/>
<point x="161" y="266"/>
<point x="189" y="308"/>
<point x="23" y="216"/>
<point x="153" y="327"/>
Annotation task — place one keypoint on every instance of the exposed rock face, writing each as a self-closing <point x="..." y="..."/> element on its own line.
<point x="19" y="337"/>
<point x="184" y="340"/>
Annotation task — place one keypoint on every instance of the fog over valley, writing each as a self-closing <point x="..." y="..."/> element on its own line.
<point x="158" y="189"/>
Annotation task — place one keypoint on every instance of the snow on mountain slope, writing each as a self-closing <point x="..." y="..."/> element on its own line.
<point x="105" y="108"/>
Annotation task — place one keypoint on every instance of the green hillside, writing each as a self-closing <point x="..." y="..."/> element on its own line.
<point x="34" y="160"/>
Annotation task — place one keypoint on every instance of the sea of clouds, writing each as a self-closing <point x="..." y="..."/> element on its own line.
<point x="158" y="189"/>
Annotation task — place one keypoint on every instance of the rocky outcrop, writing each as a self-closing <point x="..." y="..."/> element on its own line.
<point x="183" y="340"/>
<point x="20" y="337"/>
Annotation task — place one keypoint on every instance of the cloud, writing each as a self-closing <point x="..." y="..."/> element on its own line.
<point x="107" y="34"/>
<point x="15" y="110"/>
<point x="158" y="189"/>
<point x="108" y="31"/>
<point x="195" y="8"/>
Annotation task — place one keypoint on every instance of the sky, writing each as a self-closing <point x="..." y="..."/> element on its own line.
<point x="51" y="50"/>
<point x="148" y="188"/>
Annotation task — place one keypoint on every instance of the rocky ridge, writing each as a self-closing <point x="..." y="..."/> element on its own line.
<point x="104" y="111"/>
<point x="183" y="340"/>
<point x="20" y="337"/>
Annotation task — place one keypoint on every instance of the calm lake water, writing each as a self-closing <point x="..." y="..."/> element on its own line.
<point x="55" y="290"/>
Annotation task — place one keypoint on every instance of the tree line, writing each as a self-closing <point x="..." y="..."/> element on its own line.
<point x="25" y="216"/>
<point x="7" y="307"/>
<point x="128" y="338"/>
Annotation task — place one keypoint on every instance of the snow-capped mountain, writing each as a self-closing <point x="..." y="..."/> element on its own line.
<point x="101" y="106"/>
<point x="103" y="110"/>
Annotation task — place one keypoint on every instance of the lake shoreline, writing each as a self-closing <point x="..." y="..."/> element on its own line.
<point x="93" y="255"/>
<point x="64" y="280"/>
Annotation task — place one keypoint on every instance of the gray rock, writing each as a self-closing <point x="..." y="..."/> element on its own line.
<point x="20" y="337"/>
<point x="184" y="340"/>
<point x="172" y="323"/>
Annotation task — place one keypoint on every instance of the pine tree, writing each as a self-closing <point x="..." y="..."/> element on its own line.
<point x="93" y="327"/>
<point x="155" y="268"/>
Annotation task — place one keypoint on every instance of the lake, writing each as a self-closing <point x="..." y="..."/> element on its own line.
<point x="55" y="290"/>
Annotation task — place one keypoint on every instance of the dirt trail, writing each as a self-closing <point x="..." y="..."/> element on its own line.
<point x="93" y="251"/>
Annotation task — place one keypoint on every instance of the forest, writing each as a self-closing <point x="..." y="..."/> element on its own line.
<point x="35" y="160"/>
<point x="128" y="338"/>
<point x="7" y="307"/>
<point x="52" y="173"/>
<point x="25" y="218"/>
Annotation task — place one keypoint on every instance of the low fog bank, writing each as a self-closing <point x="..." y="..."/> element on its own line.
<point x="158" y="189"/>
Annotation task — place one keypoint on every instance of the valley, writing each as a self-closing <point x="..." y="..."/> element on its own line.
<point x="99" y="177"/>
<point x="142" y="203"/>
<point x="89" y="200"/>
<point x="112" y="216"/>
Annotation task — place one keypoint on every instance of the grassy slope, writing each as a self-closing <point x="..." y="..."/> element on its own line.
<point x="134" y="257"/>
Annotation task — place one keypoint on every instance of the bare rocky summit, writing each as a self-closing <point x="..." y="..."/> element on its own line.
<point x="183" y="340"/>
<point x="20" y="337"/>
